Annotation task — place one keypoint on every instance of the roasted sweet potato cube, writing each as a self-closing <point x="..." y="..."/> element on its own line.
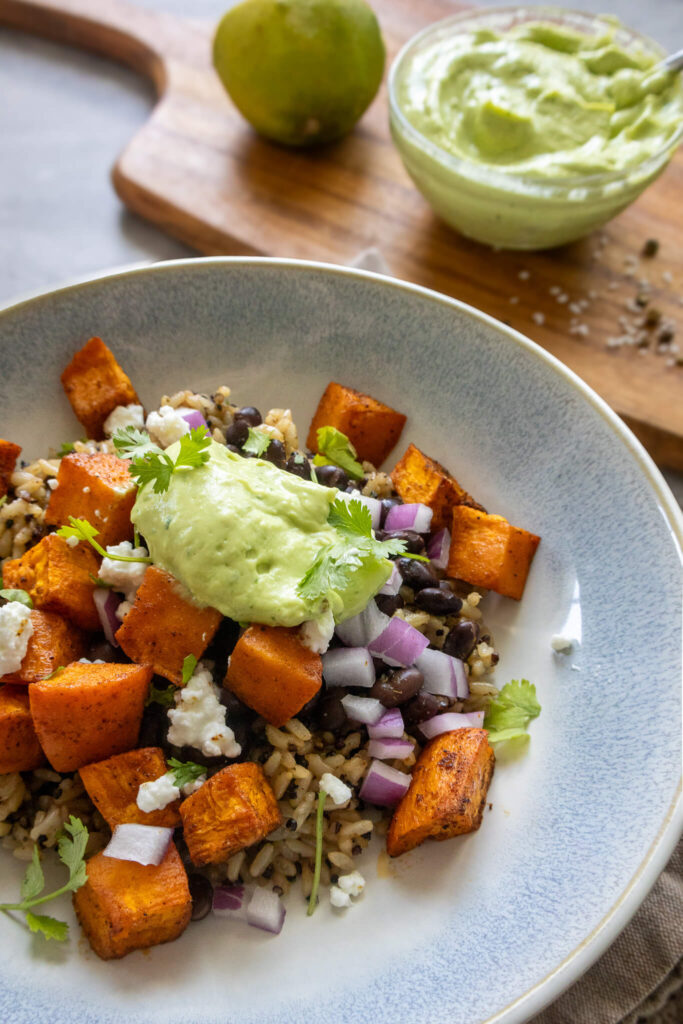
<point x="55" y="641"/>
<point x="9" y="453"/>
<point x="95" y="384"/>
<point x="98" y="488"/>
<point x="126" y="906"/>
<point x="89" y="712"/>
<point x="487" y="551"/>
<point x="447" y="791"/>
<point x="20" y="750"/>
<point x="234" y="809"/>
<point x="372" y="428"/>
<point x="58" y="579"/>
<point x="113" y="786"/>
<point x="165" y="625"/>
<point x="272" y="672"/>
<point x="418" y="478"/>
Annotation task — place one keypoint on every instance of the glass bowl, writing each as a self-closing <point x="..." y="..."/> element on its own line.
<point x="506" y="209"/>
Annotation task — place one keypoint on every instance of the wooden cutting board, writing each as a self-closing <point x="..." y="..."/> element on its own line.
<point x="198" y="171"/>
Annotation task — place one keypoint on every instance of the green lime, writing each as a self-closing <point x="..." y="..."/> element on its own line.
<point x="301" y="71"/>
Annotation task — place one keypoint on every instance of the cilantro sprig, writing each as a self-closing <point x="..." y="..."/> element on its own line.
<point x="257" y="442"/>
<point x="356" y="549"/>
<point x="3" y="500"/>
<point x="71" y="848"/>
<point x="151" y="465"/>
<point x="157" y="695"/>
<point x="189" y="665"/>
<point x="313" y="898"/>
<point x="185" y="772"/>
<point x="17" y="595"/>
<point x="81" y="529"/>
<point x="335" y="449"/>
<point x="509" y="714"/>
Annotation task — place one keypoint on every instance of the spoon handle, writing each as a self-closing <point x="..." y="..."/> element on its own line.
<point x="674" y="62"/>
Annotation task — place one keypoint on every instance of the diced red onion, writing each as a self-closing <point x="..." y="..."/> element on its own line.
<point x="394" y="583"/>
<point x="106" y="602"/>
<point x="390" y="724"/>
<point x="348" y="666"/>
<point x="362" y="628"/>
<point x="266" y="910"/>
<point x="231" y="901"/>
<point x="399" y="643"/>
<point x="194" y="419"/>
<point x="450" y="721"/>
<point x="363" y="709"/>
<point x="390" y="748"/>
<point x="145" y="844"/>
<point x="373" y="505"/>
<point x="443" y="674"/>
<point x="384" y="786"/>
<point x="439" y="547"/>
<point x="413" y="516"/>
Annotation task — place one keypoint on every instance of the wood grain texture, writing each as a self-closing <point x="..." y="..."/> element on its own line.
<point x="198" y="171"/>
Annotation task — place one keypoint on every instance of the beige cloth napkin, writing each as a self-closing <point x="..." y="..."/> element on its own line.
<point x="640" y="977"/>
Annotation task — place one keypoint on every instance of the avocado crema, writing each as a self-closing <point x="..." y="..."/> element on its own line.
<point x="541" y="100"/>
<point x="240" y="534"/>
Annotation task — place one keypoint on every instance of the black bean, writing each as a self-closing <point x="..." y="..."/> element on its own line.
<point x="414" y="542"/>
<point x="397" y="687"/>
<point x="332" y="476"/>
<point x="235" y="449"/>
<point x="251" y="416"/>
<point x="237" y="433"/>
<point x="330" y="711"/>
<point x="275" y="453"/>
<point x="389" y="603"/>
<point x="201" y="892"/>
<point x="462" y="639"/>
<point x="417" y="575"/>
<point x="299" y="465"/>
<point x="152" y="726"/>
<point x="437" y="601"/>
<point x="387" y="504"/>
<point x="103" y="651"/>
<point x="424" y="706"/>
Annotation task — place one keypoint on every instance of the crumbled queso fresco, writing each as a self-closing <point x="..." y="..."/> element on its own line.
<point x="337" y="790"/>
<point x="167" y="426"/>
<point x="124" y="577"/>
<point x="159" y="793"/>
<point x="16" y="630"/>
<point x="124" y="416"/>
<point x="316" y="634"/>
<point x="347" y="886"/>
<point x="198" y="719"/>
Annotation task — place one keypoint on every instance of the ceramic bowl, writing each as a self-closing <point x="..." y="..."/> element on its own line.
<point x="487" y="927"/>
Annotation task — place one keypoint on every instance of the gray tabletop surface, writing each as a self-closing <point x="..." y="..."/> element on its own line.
<point x="64" y="117"/>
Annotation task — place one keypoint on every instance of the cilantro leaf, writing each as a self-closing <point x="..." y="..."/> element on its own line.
<point x="34" y="879"/>
<point x="17" y="595"/>
<point x="158" y="696"/>
<point x="334" y="448"/>
<point x="156" y="468"/>
<point x="60" y="668"/>
<point x="185" y="772"/>
<point x="82" y="530"/>
<point x="131" y="443"/>
<point x="257" y="442"/>
<point x="509" y="714"/>
<point x="332" y="569"/>
<point x="71" y="847"/>
<point x="3" y="500"/>
<point x="102" y="584"/>
<point x="50" y="927"/>
<point x="351" y="518"/>
<point x="193" y="449"/>
<point x="189" y="665"/>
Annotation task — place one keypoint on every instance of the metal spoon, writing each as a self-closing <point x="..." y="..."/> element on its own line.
<point x="674" y="62"/>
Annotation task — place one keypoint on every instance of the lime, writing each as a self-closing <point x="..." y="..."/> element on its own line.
<point x="300" y="71"/>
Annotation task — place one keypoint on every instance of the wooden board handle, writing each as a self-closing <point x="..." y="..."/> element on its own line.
<point x="145" y="40"/>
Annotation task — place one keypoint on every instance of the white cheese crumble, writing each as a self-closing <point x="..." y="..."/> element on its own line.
<point x="317" y="633"/>
<point x="337" y="790"/>
<point x="124" y="577"/>
<point x="353" y="883"/>
<point x="198" y="719"/>
<point x="16" y="629"/>
<point x="159" y="793"/>
<point x="72" y="542"/>
<point x="124" y="416"/>
<point x="167" y="425"/>
<point x="339" y="898"/>
<point x="561" y="644"/>
<point x="123" y="610"/>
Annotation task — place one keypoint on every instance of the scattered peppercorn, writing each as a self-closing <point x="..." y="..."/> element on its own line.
<point x="642" y="299"/>
<point x="651" y="248"/>
<point x="665" y="336"/>
<point x="652" y="317"/>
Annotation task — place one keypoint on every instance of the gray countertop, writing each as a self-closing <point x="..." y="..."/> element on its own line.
<point x="64" y="117"/>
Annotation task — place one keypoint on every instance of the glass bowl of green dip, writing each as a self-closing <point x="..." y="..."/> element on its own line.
<point x="529" y="127"/>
